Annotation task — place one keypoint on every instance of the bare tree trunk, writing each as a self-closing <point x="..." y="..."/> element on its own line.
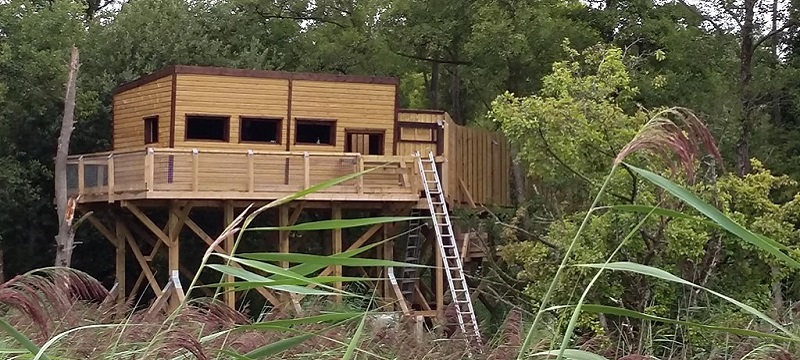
<point x="743" y="165"/>
<point x="66" y="207"/>
<point x="433" y="87"/>
<point x="519" y="178"/>
<point x="777" y="117"/>
<point x="777" y="293"/>
<point x="2" y="265"/>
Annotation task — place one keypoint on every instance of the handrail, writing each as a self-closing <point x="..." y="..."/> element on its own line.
<point x="204" y="172"/>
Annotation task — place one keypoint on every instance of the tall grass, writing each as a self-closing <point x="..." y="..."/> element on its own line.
<point x="662" y="136"/>
<point x="35" y="296"/>
<point x="61" y="313"/>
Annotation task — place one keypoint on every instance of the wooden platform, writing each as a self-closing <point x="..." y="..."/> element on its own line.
<point x="190" y="174"/>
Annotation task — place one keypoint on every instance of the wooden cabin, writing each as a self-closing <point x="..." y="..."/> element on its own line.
<point x="187" y="137"/>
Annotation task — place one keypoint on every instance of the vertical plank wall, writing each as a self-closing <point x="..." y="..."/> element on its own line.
<point x="132" y="106"/>
<point x="480" y="158"/>
<point x="412" y="140"/>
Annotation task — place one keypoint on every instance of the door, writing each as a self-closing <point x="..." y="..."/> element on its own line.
<point x="366" y="142"/>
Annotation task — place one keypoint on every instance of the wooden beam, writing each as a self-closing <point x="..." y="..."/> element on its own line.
<point x="283" y="235"/>
<point x="120" y="269"/>
<point x="360" y="241"/>
<point x="229" y="297"/>
<point x="114" y="239"/>
<point x="467" y="193"/>
<point x="423" y="301"/>
<point x="208" y="240"/>
<point x="439" y="278"/>
<point x="147" y="222"/>
<point x="162" y="299"/>
<point x="177" y="217"/>
<point x="337" y="248"/>
<point x="387" y="254"/>
<point x="137" y="252"/>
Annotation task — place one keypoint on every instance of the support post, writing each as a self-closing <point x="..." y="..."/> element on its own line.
<point x="111" y="178"/>
<point x="229" y="296"/>
<point x="120" y="264"/>
<point x="388" y="254"/>
<point x="149" y="163"/>
<point x="439" y="280"/>
<point x="195" y="170"/>
<point x="360" y="179"/>
<point x="337" y="247"/>
<point x="283" y="235"/>
<point x="81" y="176"/>
<point x="306" y="171"/>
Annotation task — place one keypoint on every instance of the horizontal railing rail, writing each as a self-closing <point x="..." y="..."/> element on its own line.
<point x="188" y="173"/>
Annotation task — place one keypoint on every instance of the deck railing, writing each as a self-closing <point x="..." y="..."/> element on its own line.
<point x="187" y="173"/>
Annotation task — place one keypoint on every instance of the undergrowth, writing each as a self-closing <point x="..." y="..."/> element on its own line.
<point x="61" y="313"/>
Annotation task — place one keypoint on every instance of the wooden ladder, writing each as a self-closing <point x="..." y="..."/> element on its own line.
<point x="448" y="249"/>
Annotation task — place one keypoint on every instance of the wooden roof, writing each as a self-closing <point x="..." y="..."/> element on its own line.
<point x="220" y="71"/>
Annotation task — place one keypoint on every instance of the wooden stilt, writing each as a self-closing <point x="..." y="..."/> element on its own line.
<point x="120" y="270"/>
<point x="209" y="241"/>
<point x="439" y="278"/>
<point x="174" y="258"/>
<point x="229" y="296"/>
<point x="388" y="254"/>
<point x="360" y="241"/>
<point x="283" y="235"/>
<point x="337" y="247"/>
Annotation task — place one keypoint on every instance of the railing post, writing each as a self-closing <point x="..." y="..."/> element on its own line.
<point x="149" y="172"/>
<point x="360" y="179"/>
<point x="111" y="178"/>
<point x="306" y="170"/>
<point x="81" y="176"/>
<point x="195" y="170"/>
<point x="251" y="176"/>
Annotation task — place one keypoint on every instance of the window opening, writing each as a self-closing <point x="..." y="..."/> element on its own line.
<point x="260" y="130"/>
<point x="151" y="129"/>
<point x="315" y="132"/>
<point x="204" y="127"/>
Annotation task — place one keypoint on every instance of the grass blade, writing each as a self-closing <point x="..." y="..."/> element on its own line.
<point x="661" y="274"/>
<point x="766" y="244"/>
<point x="351" y="347"/>
<point x="251" y="278"/>
<point x="611" y="310"/>
<point x="336" y="224"/>
<point x="285" y="323"/>
<point x="22" y="339"/>
<point x="248" y="285"/>
<point x="274" y="269"/>
<point x="572" y="354"/>
<point x="644" y="209"/>
<point x="326" y="260"/>
<point x="278" y="346"/>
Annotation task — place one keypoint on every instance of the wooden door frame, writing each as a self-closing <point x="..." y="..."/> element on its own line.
<point x="355" y="131"/>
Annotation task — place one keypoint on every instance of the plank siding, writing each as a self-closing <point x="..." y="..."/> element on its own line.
<point x="352" y="105"/>
<point x="132" y="106"/>
<point x="420" y="116"/>
<point x="231" y="96"/>
<point x="479" y="158"/>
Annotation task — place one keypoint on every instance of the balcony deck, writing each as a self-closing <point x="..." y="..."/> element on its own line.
<point x="158" y="173"/>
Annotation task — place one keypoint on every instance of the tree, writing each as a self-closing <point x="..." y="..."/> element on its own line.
<point x="65" y="240"/>
<point x="757" y="25"/>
